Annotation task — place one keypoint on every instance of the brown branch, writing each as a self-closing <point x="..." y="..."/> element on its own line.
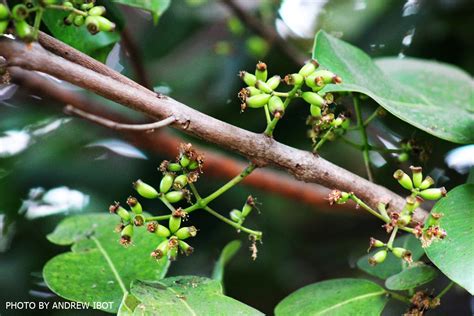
<point x="256" y="147"/>
<point x="150" y="127"/>
<point x="266" y="32"/>
<point x="216" y="166"/>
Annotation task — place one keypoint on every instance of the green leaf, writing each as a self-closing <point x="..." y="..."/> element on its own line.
<point x="156" y="7"/>
<point x="434" y="97"/>
<point x="99" y="268"/>
<point x="186" y="295"/>
<point x="411" y="277"/>
<point x="454" y="255"/>
<point x="392" y="265"/>
<point x="335" y="297"/>
<point x="227" y="254"/>
<point x="97" y="46"/>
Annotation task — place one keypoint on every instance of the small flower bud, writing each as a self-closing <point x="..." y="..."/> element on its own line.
<point x="339" y="197"/>
<point x="262" y="86"/>
<point x="403" y="179"/>
<point x="315" y="110"/>
<point x="375" y="243"/>
<point x="174" y="196"/>
<point x="337" y="122"/>
<point x="412" y="203"/>
<point x="248" y="206"/>
<point x="314" y="82"/>
<point x="251" y="91"/>
<point x="236" y="216"/>
<point x="275" y="105"/>
<point x="313" y="98"/>
<point x="69" y="19"/>
<point x="152" y="226"/>
<point x="79" y="20"/>
<point x="417" y="176"/>
<point x="134" y="205"/>
<point x="248" y="78"/>
<point x="180" y="182"/>
<point x="145" y="190"/>
<point x="192" y="166"/>
<point x="433" y="194"/>
<point x="98" y="10"/>
<point x="404" y="219"/>
<point x="308" y="68"/>
<point x="402" y="253"/>
<point x="261" y="71"/>
<point x="138" y="220"/>
<point x="161" y="231"/>
<point x="274" y="82"/>
<point x="186" y="232"/>
<point x="4" y="14"/>
<point x="184" y="161"/>
<point x="433" y="219"/>
<point x="425" y="184"/>
<point x="120" y="211"/>
<point x="174" y="167"/>
<point x="326" y="77"/>
<point x="161" y="251"/>
<point x="258" y="101"/>
<point x="293" y="79"/>
<point x="166" y="182"/>
<point x="329" y="98"/>
<point x="403" y="157"/>
<point x="126" y="235"/>
<point x="185" y="248"/>
<point x="379" y="257"/>
<point x="92" y="24"/>
<point x="86" y="6"/>
<point x="175" y="221"/>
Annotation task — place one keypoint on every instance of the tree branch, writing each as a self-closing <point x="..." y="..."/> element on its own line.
<point x="258" y="148"/>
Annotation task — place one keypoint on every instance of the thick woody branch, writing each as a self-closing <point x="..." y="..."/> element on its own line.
<point x="217" y="165"/>
<point x="258" y="148"/>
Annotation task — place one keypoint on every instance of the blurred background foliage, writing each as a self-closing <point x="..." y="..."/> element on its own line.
<point x="194" y="54"/>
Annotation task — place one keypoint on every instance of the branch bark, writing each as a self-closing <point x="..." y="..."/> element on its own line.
<point x="256" y="147"/>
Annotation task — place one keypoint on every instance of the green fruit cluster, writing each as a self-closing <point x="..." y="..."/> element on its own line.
<point x="239" y="216"/>
<point x="86" y="13"/>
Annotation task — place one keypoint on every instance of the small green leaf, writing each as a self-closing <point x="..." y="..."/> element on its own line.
<point x="99" y="268"/>
<point x="227" y="254"/>
<point x="335" y="297"/>
<point x="128" y="305"/>
<point x="411" y="277"/>
<point x="434" y="97"/>
<point x="97" y="46"/>
<point x="186" y="295"/>
<point x="156" y="7"/>
<point x="454" y="255"/>
<point x="392" y="265"/>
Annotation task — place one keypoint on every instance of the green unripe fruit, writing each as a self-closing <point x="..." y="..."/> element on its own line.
<point x="236" y="216"/>
<point x="87" y="6"/>
<point x="248" y="206"/>
<point x="145" y="190"/>
<point x="173" y="252"/>
<point x="20" y="12"/>
<point x="313" y="98"/>
<point x="3" y="28"/>
<point x="293" y="79"/>
<point x="162" y="231"/>
<point x="175" y="223"/>
<point x="425" y="184"/>
<point x="23" y="30"/>
<point x="404" y="219"/>
<point x="185" y="248"/>
<point x="403" y="157"/>
<point x="251" y="91"/>
<point x="326" y="77"/>
<point x="433" y="219"/>
<point x="4" y="14"/>
<point x="105" y="25"/>
<point x="262" y="86"/>
<point x="329" y="97"/>
<point x="274" y="82"/>
<point x="345" y="124"/>
<point x="180" y="182"/>
<point x="166" y="182"/>
<point x="337" y="122"/>
<point x="174" y="167"/>
<point x="400" y="252"/>
<point x="257" y="101"/>
<point x="186" y="232"/>
<point x="308" y="68"/>
<point x="174" y="196"/>
<point x="275" y="105"/>
<point x="193" y="165"/>
<point x="261" y="71"/>
<point x="92" y="24"/>
<point x="99" y="10"/>
<point x="161" y="251"/>
<point x="379" y="257"/>
<point x="412" y="204"/>
<point x="433" y="194"/>
<point x="127" y="231"/>
<point x="315" y="110"/>
<point x="403" y="179"/>
<point x="184" y="161"/>
<point x="417" y="176"/>
<point x="79" y="20"/>
<point x="139" y="220"/>
<point x="68" y="4"/>
<point x="248" y="78"/>
<point x="134" y="205"/>
<point x="69" y="20"/>
<point x="376" y="243"/>
<point x="124" y="214"/>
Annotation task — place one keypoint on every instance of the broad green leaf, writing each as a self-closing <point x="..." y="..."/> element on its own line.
<point x="434" y="97"/>
<point x="335" y="297"/>
<point x="156" y="7"/>
<point x="454" y="255"/>
<point x="411" y="277"/>
<point x="99" y="268"/>
<point x="97" y="46"/>
<point x="227" y="254"/>
<point x="392" y="265"/>
<point x="186" y="295"/>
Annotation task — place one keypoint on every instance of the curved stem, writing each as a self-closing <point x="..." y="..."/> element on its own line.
<point x="445" y="290"/>
<point x="37" y="23"/>
<point x="372" y="116"/>
<point x="323" y="139"/>
<point x="64" y="8"/>
<point x="392" y="238"/>
<point x="267" y="114"/>
<point x="157" y="218"/>
<point x="399" y="297"/>
<point x="271" y="126"/>
<point x="168" y="204"/>
<point x="365" y="141"/>
<point x="281" y="94"/>
<point x="237" y="226"/>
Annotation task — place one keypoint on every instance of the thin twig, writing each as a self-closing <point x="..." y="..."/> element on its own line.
<point x="69" y="109"/>
<point x="365" y="141"/>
